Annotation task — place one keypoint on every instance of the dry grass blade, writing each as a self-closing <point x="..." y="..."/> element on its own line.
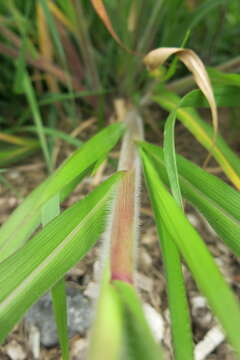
<point x="74" y="63"/>
<point x="9" y="35"/>
<point x="45" y="45"/>
<point x="60" y="16"/>
<point x="43" y="64"/>
<point x="102" y="13"/>
<point x="158" y="56"/>
<point x="13" y="139"/>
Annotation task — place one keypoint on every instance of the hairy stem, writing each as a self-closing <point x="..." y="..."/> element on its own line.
<point x="124" y="218"/>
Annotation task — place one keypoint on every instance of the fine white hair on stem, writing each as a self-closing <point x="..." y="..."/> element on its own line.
<point x="120" y="238"/>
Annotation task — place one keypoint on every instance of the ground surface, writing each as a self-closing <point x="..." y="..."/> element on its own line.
<point x="21" y="344"/>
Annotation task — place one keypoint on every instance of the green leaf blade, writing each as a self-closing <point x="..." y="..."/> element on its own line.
<point x="179" y="310"/>
<point x="226" y="96"/>
<point x="59" y="300"/>
<point x="196" y="255"/>
<point x="204" y="134"/>
<point x="179" y="313"/>
<point x="170" y="157"/>
<point x="43" y="260"/>
<point x="27" y="215"/>
<point x="205" y="192"/>
<point x="108" y="316"/>
<point x="140" y="343"/>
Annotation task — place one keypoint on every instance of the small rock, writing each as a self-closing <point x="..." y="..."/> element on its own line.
<point x="155" y="321"/>
<point x="144" y="282"/>
<point x="41" y="316"/>
<point x="201" y="311"/>
<point x="193" y="220"/>
<point x="97" y="270"/>
<point x="212" y="339"/>
<point x="92" y="290"/>
<point x="76" y="271"/>
<point x="12" y="201"/>
<point x="15" y="351"/>
<point x="198" y="302"/>
<point x="79" y="349"/>
<point x="3" y="201"/>
<point x="13" y="174"/>
<point x="34" y="341"/>
<point x="149" y="237"/>
<point x="146" y="259"/>
<point x="167" y="316"/>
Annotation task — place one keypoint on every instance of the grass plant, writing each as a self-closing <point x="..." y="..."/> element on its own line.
<point x="74" y="59"/>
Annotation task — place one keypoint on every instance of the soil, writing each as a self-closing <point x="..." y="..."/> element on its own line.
<point x="150" y="275"/>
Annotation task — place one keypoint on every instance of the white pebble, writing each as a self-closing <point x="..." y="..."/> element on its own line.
<point x="155" y="321"/>
<point x="193" y="220"/>
<point x="144" y="282"/>
<point x="92" y="290"/>
<point x="34" y="341"/>
<point x="212" y="339"/>
<point x="198" y="302"/>
<point x="79" y="347"/>
<point x="15" y="351"/>
<point x="13" y="174"/>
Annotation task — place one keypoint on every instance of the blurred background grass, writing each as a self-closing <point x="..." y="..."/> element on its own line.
<point x="60" y="66"/>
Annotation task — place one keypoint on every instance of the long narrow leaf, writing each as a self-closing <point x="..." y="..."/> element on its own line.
<point x="28" y="88"/>
<point x="55" y="134"/>
<point x="200" y="262"/>
<point x="13" y="154"/>
<point x="226" y="96"/>
<point x="108" y="317"/>
<point x="139" y="341"/>
<point x="59" y="298"/>
<point x="179" y="313"/>
<point x="205" y="191"/>
<point x="204" y="134"/>
<point x="43" y="260"/>
<point x="27" y="215"/>
<point x="170" y="157"/>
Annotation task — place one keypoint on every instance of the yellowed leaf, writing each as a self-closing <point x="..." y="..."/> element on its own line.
<point x="12" y="139"/>
<point x="157" y="57"/>
<point x="59" y="15"/>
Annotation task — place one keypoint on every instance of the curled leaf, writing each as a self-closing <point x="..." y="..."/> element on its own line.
<point x="157" y="57"/>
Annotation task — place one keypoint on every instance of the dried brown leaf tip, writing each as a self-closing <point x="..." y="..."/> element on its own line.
<point x="191" y="60"/>
<point x="102" y="13"/>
